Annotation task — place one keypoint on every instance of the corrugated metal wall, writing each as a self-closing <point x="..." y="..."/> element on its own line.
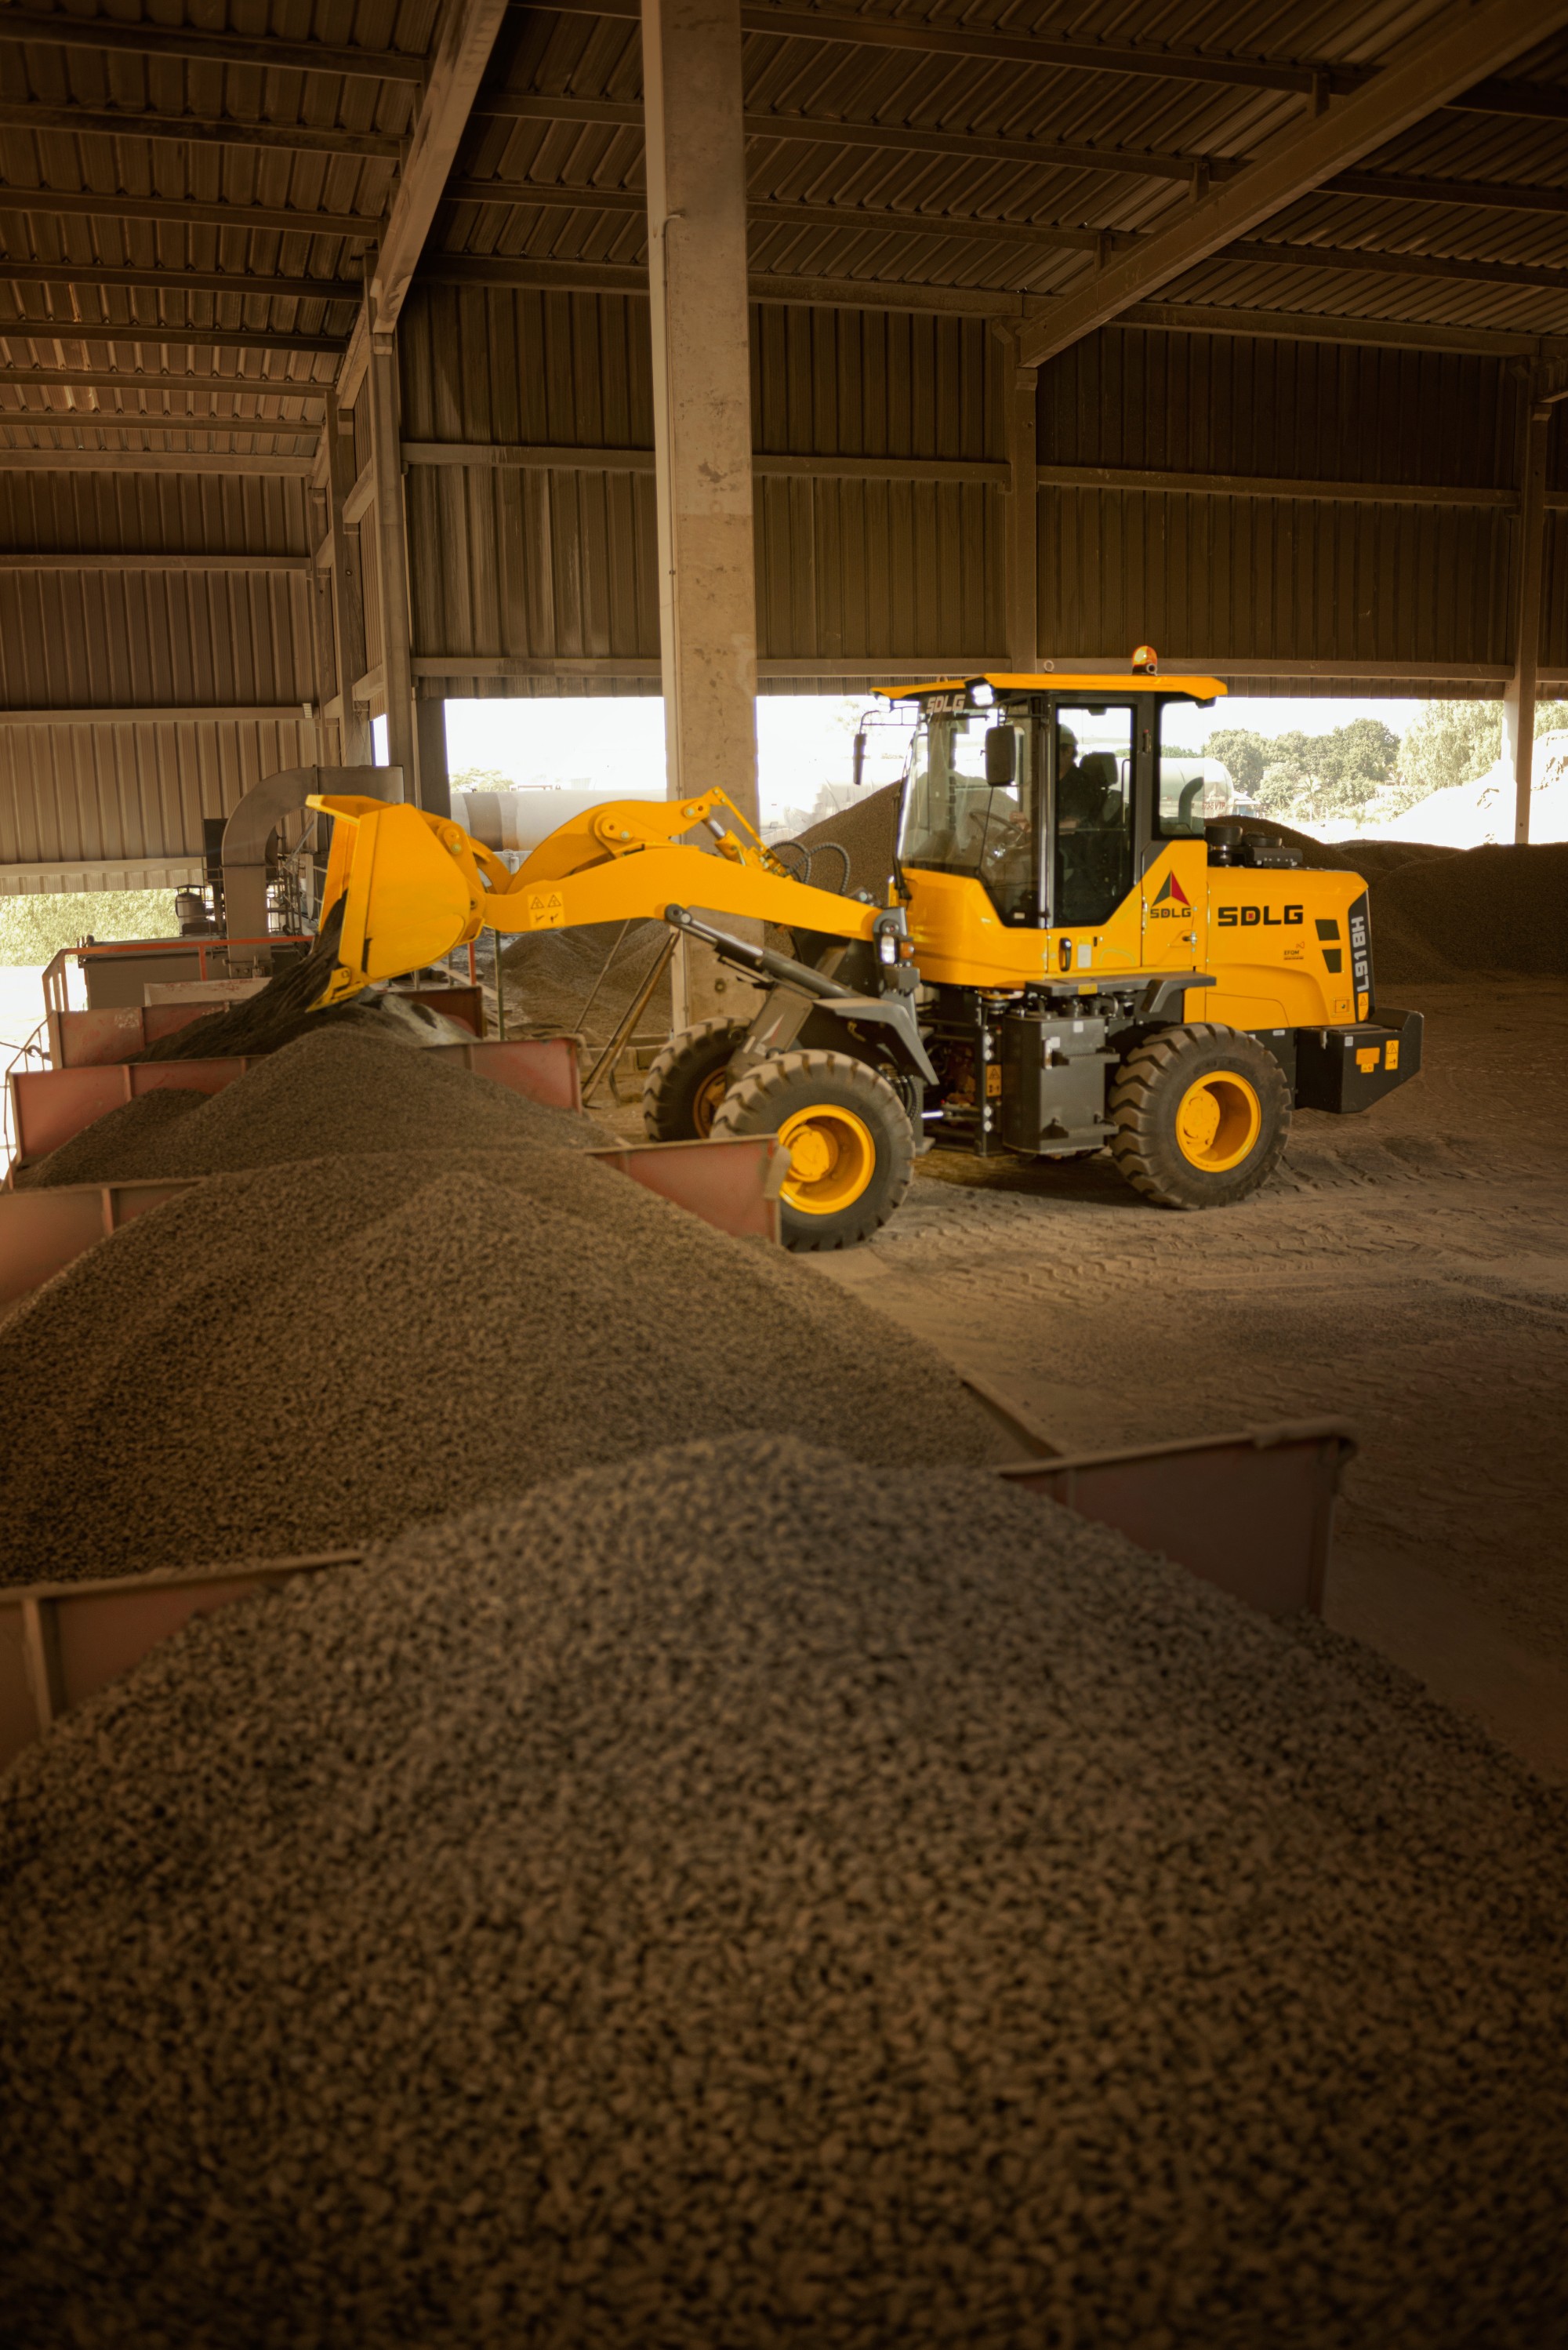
<point x="89" y="796"/>
<point x="520" y="565"/>
<point x="1256" y="577"/>
<point x="1229" y="404"/>
<point x="512" y="565"/>
<point x="106" y="640"/>
<point x="105" y="796"/>
<point x="524" y="563"/>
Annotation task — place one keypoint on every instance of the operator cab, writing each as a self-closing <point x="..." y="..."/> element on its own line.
<point x="1050" y="790"/>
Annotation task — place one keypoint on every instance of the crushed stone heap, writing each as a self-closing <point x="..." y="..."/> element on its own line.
<point x="733" y="1898"/>
<point x="310" y="1356"/>
<point x="340" y="1091"/>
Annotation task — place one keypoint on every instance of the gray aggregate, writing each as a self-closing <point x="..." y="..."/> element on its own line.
<point x="732" y="1898"/>
<point x="307" y="1356"/>
<point x="341" y="1089"/>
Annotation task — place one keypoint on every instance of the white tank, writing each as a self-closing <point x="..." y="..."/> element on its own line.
<point x="519" y="820"/>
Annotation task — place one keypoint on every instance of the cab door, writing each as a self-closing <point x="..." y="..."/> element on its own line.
<point x="1173" y="851"/>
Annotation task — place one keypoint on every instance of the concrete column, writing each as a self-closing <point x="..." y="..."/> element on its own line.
<point x="346" y="589"/>
<point x="435" y="787"/>
<point x="392" y="561"/>
<point x="1518" y="695"/>
<point x="701" y="418"/>
<point x="1022" y="530"/>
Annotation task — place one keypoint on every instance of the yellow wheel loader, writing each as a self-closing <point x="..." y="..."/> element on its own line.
<point x="1069" y="958"/>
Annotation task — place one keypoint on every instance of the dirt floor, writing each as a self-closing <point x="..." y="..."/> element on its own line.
<point x="1406" y="1270"/>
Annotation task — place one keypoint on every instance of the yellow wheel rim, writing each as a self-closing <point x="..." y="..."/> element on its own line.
<point x="832" y="1159"/>
<point x="1219" y="1122"/>
<point x="705" y="1102"/>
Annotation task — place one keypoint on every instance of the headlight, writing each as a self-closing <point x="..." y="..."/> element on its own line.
<point x="886" y="946"/>
<point x="980" y="694"/>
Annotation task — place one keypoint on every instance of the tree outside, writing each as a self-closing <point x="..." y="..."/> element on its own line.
<point x="1364" y="772"/>
<point x="33" y="928"/>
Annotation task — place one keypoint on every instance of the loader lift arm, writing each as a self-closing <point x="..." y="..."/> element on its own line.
<point x="412" y="886"/>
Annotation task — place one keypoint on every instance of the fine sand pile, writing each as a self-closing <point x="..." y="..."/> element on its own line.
<point x="342" y="1089"/>
<point x="314" y="1355"/>
<point x="716" y="1902"/>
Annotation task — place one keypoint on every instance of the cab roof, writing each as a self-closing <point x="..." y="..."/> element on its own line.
<point x="1191" y="689"/>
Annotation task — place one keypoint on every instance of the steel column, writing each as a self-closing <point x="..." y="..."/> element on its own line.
<point x="392" y="561"/>
<point x="1518" y="694"/>
<point x="1022" y="521"/>
<point x="348" y="596"/>
<point x="435" y="786"/>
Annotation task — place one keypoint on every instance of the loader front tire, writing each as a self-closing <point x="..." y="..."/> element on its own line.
<point x="852" y="1153"/>
<point x="683" y="1089"/>
<point x="1202" y="1116"/>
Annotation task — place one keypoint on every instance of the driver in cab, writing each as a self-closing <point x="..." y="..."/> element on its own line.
<point x="1086" y="795"/>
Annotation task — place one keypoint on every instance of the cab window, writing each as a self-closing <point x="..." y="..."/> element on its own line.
<point x="1190" y="787"/>
<point x="1094" y="811"/>
<point x="959" y="820"/>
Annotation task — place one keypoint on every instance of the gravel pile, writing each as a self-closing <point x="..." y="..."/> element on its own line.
<point x="342" y="1089"/>
<point x="551" y="976"/>
<point x="1480" y="910"/>
<point x="314" y="1355"/>
<point x="1439" y="913"/>
<point x="732" y="1899"/>
<point x="867" y="833"/>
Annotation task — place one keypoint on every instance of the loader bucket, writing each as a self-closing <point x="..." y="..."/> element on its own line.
<point x="392" y="858"/>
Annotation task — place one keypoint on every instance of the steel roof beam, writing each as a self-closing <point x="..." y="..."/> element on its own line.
<point x="980" y="302"/>
<point x="1487" y="195"/>
<point x="180" y="281"/>
<point x="464" y="40"/>
<point x="128" y="559"/>
<point x="1467" y="41"/>
<point x="1351" y="259"/>
<point x="203" y="130"/>
<point x="151" y="460"/>
<point x="1053" y="153"/>
<point x="1310" y="77"/>
<point x="158" y="337"/>
<point x="871" y="220"/>
<point x="1513" y="97"/>
<point x="125" y="379"/>
<point x="58" y="203"/>
<point x="59" y="31"/>
<point x="1012" y="48"/>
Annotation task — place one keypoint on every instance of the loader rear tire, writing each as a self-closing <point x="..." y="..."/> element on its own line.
<point x="1202" y="1116"/>
<point x="683" y="1089"/>
<point x="852" y="1152"/>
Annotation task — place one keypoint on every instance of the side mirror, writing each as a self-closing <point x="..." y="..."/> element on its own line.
<point x="859" y="776"/>
<point x="1000" y="755"/>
